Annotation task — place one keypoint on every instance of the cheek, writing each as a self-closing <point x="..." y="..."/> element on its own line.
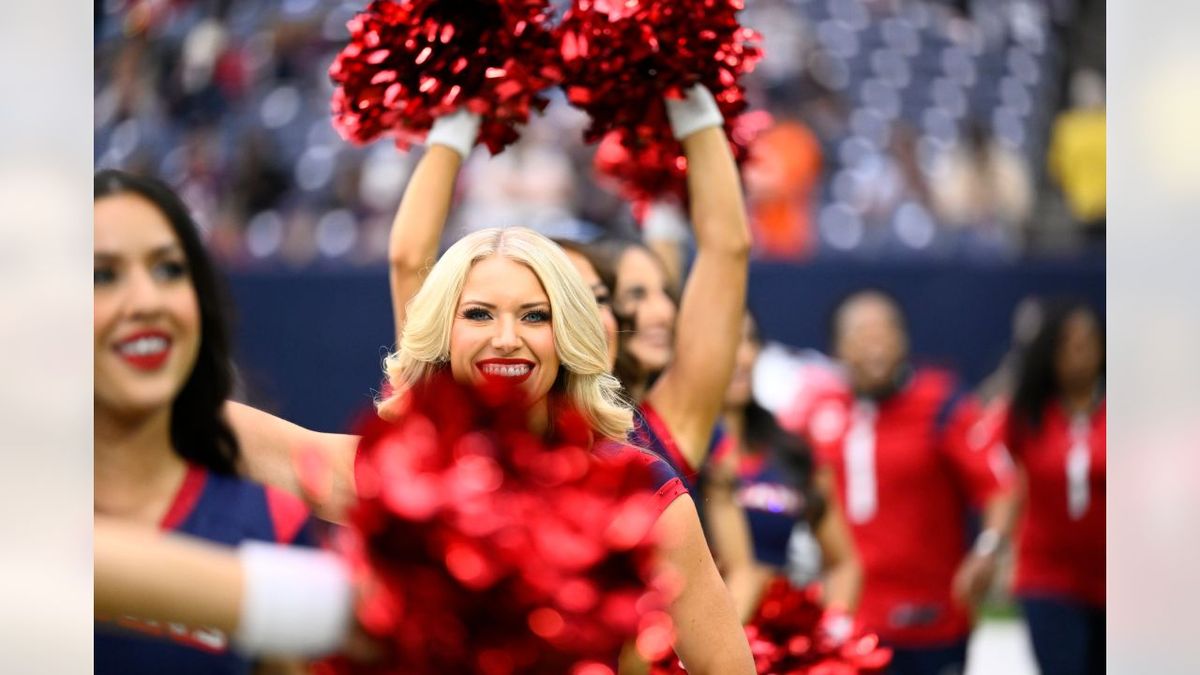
<point x="610" y="322"/>
<point x="461" y="338"/>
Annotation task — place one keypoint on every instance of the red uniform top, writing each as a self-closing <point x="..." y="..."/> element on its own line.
<point x="908" y="467"/>
<point x="1060" y="540"/>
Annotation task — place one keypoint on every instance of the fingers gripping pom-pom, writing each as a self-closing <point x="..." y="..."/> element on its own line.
<point x="409" y="62"/>
<point x="643" y="170"/>
<point x="483" y="548"/>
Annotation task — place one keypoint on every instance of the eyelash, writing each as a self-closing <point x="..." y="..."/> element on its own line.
<point x="168" y="270"/>
<point x="171" y="269"/>
<point x="480" y="314"/>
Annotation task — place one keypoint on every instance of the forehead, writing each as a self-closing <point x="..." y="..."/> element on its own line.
<point x="1080" y="324"/>
<point x="637" y="267"/>
<point x="128" y="223"/>
<point x="584" y="267"/>
<point x="868" y="313"/>
<point x="498" y="280"/>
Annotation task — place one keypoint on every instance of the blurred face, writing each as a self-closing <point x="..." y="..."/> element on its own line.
<point x="642" y="294"/>
<point x="741" y="386"/>
<point x="147" y="318"/>
<point x="1077" y="361"/>
<point x="502" y="330"/>
<point x="870" y="343"/>
<point x="603" y="302"/>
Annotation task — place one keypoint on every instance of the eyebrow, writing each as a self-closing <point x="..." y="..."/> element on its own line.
<point x="156" y="252"/>
<point x="488" y="305"/>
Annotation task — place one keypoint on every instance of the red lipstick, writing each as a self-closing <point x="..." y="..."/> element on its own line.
<point x="513" y="371"/>
<point x="146" y="350"/>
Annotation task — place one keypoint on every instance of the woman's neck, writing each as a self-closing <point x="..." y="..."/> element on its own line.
<point x="637" y="390"/>
<point x="1080" y="399"/>
<point x="136" y="472"/>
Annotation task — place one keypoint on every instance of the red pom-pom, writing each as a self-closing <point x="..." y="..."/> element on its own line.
<point x="621" y="57"/>
<point x="784" y="639"/>
<point x="644" y="170"/>
<point x="483" y="548"/>
<point x="411" y="61"/>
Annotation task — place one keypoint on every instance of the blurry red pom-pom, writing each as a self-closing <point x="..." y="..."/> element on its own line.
<point x="621" y="57"/>
<point x="785" y="639"/>
<point x="481" y="547"/>
<point x="411" y="61"/>
<point x="646" y="169"/>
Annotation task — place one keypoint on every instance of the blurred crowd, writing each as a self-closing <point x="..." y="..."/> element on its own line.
<point x="902" y="129"/>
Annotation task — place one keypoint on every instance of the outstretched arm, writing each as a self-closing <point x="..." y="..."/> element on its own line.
<point x="271" y="599"/>
<point x="421" y="218"/>
<point x="274" y="450"/>
<point x="690" y="392"/>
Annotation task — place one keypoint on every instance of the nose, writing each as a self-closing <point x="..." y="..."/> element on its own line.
<point x="144" y="296"/>
<point x="506" y="339"/>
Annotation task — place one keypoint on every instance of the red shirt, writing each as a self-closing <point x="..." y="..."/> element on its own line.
<point x="908" y="469"/>
<point x="1060" y="540"/>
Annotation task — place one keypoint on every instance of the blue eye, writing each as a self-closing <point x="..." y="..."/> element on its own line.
<point x="103" y="276"/>
<point x="476" y="314"/>
<point x="537" y="316"/>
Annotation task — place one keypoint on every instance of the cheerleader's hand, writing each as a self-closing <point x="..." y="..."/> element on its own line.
<point x="836" y="626"/>
<point x="697" y="110"/>
<point x="458" y="131"/>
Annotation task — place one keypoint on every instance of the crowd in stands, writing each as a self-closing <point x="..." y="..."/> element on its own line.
<point x="902" y="129"/>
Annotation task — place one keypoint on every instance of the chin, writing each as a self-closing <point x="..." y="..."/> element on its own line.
<point x="652" y="359"/>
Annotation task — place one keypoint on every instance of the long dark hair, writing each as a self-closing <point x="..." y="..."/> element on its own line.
<point x="199" y="432"/>
<point x="1037" y="380"/>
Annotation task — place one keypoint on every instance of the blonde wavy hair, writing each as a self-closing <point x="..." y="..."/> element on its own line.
<point x="584" y="378"/>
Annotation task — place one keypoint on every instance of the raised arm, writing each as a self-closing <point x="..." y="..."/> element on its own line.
<point x="708" y="636"/>
<point x="689" y="393"/>
<point x="421" y="218"/>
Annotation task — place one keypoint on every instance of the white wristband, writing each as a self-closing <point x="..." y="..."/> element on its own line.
<point x="987" y="543"/>
<point x="295" y="601"/>
<point x="697" y="110"/>
<point x="456" y="131"/>
<point x="665" y="222"/>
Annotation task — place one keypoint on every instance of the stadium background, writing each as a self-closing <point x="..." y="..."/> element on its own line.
<point x="946" y="151"/>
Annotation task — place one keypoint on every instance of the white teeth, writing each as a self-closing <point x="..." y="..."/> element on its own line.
<point x="144" y="346"/>
<point x="506" y="371"/>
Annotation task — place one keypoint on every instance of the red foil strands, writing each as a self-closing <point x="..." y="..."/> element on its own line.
<point x="643" y="170"/>
<point x="784" y="639"/>
<point x="620" y="57"/>
<point x="411" y="61"/>
<point x="482" y="548"/>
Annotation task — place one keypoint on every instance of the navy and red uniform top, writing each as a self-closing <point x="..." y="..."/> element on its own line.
<point x="908" y="469"/>
<point x="223" y="509"/>
<point x="664" y="482"/>
<point x="767" y="492"/>
<point x="1060" y="538"/>
<point x="651" y="432"/>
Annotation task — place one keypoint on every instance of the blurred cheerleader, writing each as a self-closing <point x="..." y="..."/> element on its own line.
<point x="164" y="456"/>
<point x="761" y="488"/>
<point x="1056" y="433"/>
